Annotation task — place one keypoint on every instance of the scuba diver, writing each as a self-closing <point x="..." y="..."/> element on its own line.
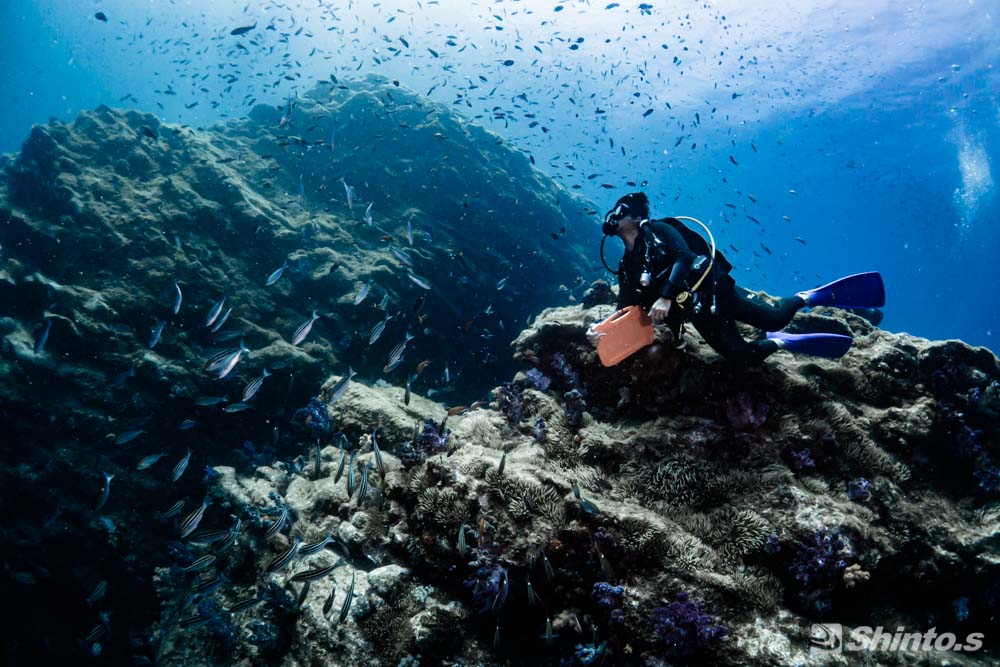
<point x="672" y="273"/>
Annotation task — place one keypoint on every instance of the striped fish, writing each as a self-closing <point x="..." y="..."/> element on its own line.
<point x="222" y="320"/>
<point x="209" y="535"/>
<point x="181" y="467"/>
<point x="190" y="523"/>
<point x="283" y="559"/>
<point x="243" y="605"/>
<point x="363" y="489"/>
<point x="278" y="523"/>
<point x="199" y="564"/>
<point x="328" y="605"/>
<point x="396" y="355"/>
<point x="174" y="510"/>
<point x="254" y="386"/>
<point x="378" y="329"/>
<point x="207" y="586"/>
<point x="346" y="607"/>
<point x="276" y="274"/>
<point x="341" y="386"/>
<point x="378" y="456"/>
<point x="194" y="621"/>
<point x="316" y="573"/>
<point x="350" y="475"/>
<point x="319" y="462"/>
<point x="313" y="547"/>
<point x="340" y="468"/>
<point x="304" y="329"/>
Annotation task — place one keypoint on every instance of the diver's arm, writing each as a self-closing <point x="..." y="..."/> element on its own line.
<point x="675" y="245"/>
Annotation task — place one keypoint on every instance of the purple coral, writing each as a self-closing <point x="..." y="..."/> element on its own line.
<point x="540" y="431"/>
<point x="428" y="442"/>
<point x="608" y="596"/>
<point x="510" y="401"/>
<point x="314" y="418"/>
<point x="802" y="460"/>
<point x="859" y="490"/>
<point x="819" y="566"/>
<point x="575" y="407"/>
<point x="564" y="370"/>
<point x="538" y="380"/>
<point x="745" y="415"/>
<point x="685" y="629"/>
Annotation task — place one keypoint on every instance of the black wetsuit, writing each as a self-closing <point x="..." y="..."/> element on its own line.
<point x="671" y="255"/>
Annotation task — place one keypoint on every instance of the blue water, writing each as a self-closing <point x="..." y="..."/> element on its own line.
<point x="882" y="118"/>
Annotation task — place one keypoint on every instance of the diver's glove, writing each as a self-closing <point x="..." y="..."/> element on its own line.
<point x="593" y="335"/>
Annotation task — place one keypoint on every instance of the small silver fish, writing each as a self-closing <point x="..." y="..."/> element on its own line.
<point x="222" y="320"/>
<point x="40" y="343"/>
<point x="406" y="394"/>
<point x="418" y="281"/>
<point x="207" y="401"/>
<point x="276" y="274"/>
<point x="154" y="337"/>
<point x="213" y="312"/>
<point x="174" y="510"/>
<point x="363" y="489"/>
<point x="368" y="215"/>
<point x="192" y="520"/>
<point x="126" y="437"/>
<point x="501" y="284"/>
<point x="225" y="362"/>
<point x="348" y="192"/>
<point x="362" y="293"/>
<point x="350" y="474"/>
<point x="99" y="591"/>
<point x="341" y="386"/>
<point x="253" y="387"/>
<point x="409" y="231"/>
<point x="396" y="355"/>
<point x="187" y="425"/>
<point x="236" y="407"/>
<point x="148" y="461"/>
<point x="304" y="329"/>
<point x="378" y="456"/>
<point x="178" y="299"/>
<point x="181" y="467"/>
<point x="378" y="329"/>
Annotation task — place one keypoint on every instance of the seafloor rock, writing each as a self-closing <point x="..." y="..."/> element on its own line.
<point x="672" y="510"/>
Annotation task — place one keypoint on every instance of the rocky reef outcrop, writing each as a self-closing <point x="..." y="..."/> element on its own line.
<point x="671" y="510"/>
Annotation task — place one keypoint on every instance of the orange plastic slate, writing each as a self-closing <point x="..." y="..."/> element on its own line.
<point x="625" y="332"/>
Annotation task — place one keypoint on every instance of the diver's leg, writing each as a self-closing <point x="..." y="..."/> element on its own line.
<point x="724" y="337"/>
<point x="745" y="306"/>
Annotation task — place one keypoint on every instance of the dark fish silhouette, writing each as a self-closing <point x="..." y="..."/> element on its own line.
<point x="242" y="30"/>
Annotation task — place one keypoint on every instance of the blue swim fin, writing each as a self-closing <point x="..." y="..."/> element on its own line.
<point x="862" y="290"/>
<point x="830" y="346"/>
